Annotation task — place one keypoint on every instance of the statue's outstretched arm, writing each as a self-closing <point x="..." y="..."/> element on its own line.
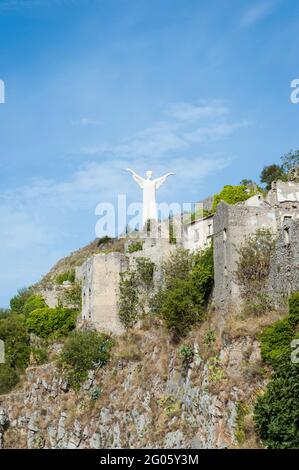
<point x="136" y="177"/>
<point x="162" y="179"/>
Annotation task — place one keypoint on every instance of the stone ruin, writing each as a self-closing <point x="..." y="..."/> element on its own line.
<point x="228" y="228"/>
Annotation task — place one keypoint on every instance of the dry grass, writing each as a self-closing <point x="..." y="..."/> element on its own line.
<point x="238" y="326"/>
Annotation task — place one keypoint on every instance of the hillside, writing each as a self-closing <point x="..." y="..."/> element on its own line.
<point x="77" y="258"/>
<point x="148" y="395"/>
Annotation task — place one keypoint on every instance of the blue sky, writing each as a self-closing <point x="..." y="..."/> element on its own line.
<point x="201" y="88"/>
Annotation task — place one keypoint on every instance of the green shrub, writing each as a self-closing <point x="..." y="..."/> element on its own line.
<point x="9" y="377"/>
<point x="276" y="338"/>
<point x="104" y="240"/>
<point x="210" y="337"/>
<point x="242" y="411"/>
<point x="39" y="355"/>
<point x="16" y="339"/>
<point x="66" y="276"/>
<point x="277" y="412"/>
<point x="32" y="303"/>
<point x="187" y="285"/>
<point x="18" y="301"/>
<point x="178" y="309"/>
<point x="83" y="351"/>
<point x="202" y="274"/>
<point x="72" y="296"/>
<point x="17" y="351"/>
<point x="135" y="287"/>
<point x="177" y="266"/>
<point x="135" y="246"/>
<point x="4" y="312"/>
<point x="232" y="195"/>
<point x="186" y="354"/>
<point x="253" y="264"/>
<point x="51" y="322"/>
<point x="128" y="300"/>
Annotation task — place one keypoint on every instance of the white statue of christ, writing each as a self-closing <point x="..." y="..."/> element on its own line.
<point x="149" y="186"/>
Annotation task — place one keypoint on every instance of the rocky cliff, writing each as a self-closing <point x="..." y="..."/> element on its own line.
<point x="152" y="393"/>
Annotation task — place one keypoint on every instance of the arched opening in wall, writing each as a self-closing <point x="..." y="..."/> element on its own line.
<point x="210" y="229"/>
<point x="225" y="271"/>
<point x="224" y="234"/>
<point x="286" y="233"/>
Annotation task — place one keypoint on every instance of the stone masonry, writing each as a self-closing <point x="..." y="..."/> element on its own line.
<point x="229" y="228"/>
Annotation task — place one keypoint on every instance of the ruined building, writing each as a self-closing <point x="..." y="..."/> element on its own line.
<point x="229" y="227"/>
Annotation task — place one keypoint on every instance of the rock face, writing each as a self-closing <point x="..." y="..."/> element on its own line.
<point x="153" y="401"/>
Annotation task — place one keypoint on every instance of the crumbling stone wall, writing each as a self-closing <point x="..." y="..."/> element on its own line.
<point x="229" y="228"/>
<point x="232" y="224"/>
<point x="99" y="277"/>
<point x="284" y="271"/>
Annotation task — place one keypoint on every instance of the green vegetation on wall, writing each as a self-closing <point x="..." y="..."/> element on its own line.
<point x="135" y="246"/>
<point x="134" y="291"/>
<point x="66" y="276"/>
<point x="253" y="266"/>
<point x="232" y="195"/>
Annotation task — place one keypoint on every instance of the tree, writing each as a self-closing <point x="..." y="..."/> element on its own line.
<point x="271" y="173"/>
<point x="18" y="301"/>
<point x="187" y="285"/>
<point x="232" y="195"/>
<point x="83" y="351"/>
<point x="290" y="161"/>
<point x="276" y="412"/>
<point x="17" y="350"/>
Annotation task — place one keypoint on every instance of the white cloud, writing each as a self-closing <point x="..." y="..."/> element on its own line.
<point x="205" y="134"/>
<point x="85" y="121"/>
<point x="187" y="124"/>
<point x="256" y="13"/>
<point x="188" y="112"/>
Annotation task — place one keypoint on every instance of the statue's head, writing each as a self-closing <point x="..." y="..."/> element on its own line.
<point x="149" y="174"/>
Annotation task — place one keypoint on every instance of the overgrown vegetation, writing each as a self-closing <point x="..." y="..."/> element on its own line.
<point x="17" y="350"/>
<point x="83" y="351"/>
<point x="69" y="276"/>
<point x="285" y="172"/>
<point x="135" y="288"/>
<point x="232" y="195"/>
<point x="73" y="296"/>
<point x="51" y="322"/>
<point x="187" y="284"/>
<point x="276" y="411"/>
<point x="135" y="246"/>
<point x="252" y="271"/>
<point x="276" y="339"/>
<point x="18" y="301"/>
<point x="33" y="303"/>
